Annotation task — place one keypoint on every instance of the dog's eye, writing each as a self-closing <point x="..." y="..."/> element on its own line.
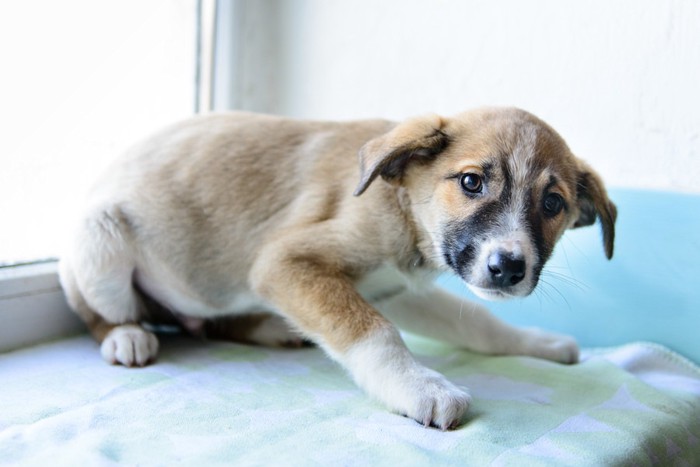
<point x="471" y="183"/>
<point x="553" y="204"/>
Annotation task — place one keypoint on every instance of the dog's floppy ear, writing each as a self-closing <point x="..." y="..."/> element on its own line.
<point x="593" y="202"/>
<point x="418" y="139"/>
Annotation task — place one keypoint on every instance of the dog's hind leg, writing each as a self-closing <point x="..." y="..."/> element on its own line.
<point x="97" y="278"/>
<point x="266" y="329"/>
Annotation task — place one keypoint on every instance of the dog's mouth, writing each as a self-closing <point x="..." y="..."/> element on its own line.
<point x="494" y="295"/>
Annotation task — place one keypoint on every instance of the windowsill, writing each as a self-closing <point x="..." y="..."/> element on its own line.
<point x="32" y="306"/>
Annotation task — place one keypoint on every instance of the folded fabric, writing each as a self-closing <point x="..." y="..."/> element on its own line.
<point x="220" y="403"/>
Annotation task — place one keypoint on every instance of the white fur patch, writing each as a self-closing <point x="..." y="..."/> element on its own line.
<point x="385" y="369"/>
<point x="166" y="288"/>
<point x="387" y="280"/>
<point x="129" y="345"/>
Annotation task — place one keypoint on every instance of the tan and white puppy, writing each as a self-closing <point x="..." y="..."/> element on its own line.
<point x="254" y="228"/>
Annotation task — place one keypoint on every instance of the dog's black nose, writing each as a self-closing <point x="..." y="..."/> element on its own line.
<point x="505" y="269"/>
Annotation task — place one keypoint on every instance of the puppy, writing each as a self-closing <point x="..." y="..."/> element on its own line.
<point x="255" y="228"/>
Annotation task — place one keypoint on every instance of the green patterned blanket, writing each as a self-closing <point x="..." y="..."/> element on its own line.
<point x="220" y="403"/>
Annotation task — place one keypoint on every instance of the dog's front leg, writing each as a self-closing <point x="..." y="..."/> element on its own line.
<point x="321" y="300"/>
<point x="441" y="315"/>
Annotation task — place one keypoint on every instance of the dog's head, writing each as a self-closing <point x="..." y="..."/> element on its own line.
<point x="493" y="190"/>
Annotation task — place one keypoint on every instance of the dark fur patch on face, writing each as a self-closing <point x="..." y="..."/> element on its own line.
<point x="459" y="245"/>
<point x="507" y="192"/>
<point x="534" y="223"/>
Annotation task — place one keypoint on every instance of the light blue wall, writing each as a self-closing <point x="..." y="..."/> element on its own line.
<point x="650" y="290"/>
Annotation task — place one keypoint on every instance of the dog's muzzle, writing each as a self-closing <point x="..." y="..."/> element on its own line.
<point x="494" y="265"/>
<point x="500" y="270"/>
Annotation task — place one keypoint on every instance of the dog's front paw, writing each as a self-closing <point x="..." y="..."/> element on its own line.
<point x="129" y="345"/>
<point x="551" y="346"/>
<point x="432" y="400"/>
<point x="386" y="370"/>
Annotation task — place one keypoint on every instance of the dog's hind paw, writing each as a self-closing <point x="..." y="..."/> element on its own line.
<point x="129" y="345"/>
<point x="550" y="346"/>
<point x="275" y="331"/>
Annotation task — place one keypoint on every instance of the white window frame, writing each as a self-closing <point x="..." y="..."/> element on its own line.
<point x="32" y="306"/>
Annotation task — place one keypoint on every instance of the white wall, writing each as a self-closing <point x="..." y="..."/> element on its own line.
<point x="620" y="80"/>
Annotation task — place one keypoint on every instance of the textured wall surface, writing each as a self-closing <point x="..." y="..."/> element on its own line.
<point x="619" y="80"/>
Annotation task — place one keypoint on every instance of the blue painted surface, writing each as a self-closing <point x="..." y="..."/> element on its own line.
<point x="649" y="291"/>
